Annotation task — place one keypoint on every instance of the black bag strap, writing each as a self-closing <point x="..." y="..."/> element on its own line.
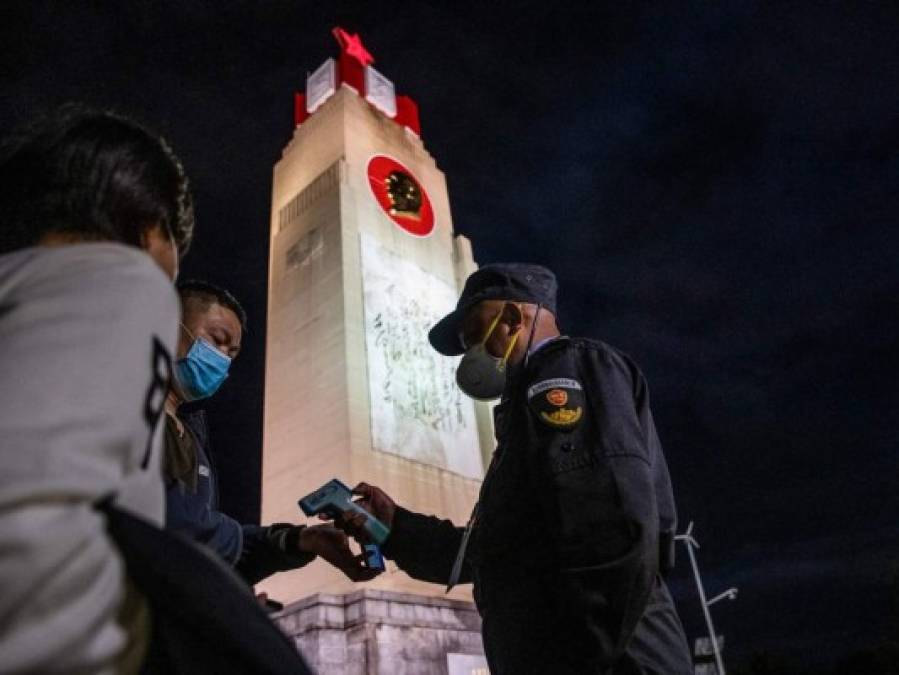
<point x="204" y="618"/>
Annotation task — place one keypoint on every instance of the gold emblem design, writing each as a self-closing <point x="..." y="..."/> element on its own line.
<point x="404" y="195"/>
<point x="563" y="417"/>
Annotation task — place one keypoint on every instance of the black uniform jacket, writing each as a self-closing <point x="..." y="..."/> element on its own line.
<point x="574" y="525"/>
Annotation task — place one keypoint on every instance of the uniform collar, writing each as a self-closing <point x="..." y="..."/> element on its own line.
<point x="517" y="371"/>
<point x="543" y="343"/>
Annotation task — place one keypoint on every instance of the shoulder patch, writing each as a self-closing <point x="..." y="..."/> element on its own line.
<point x="558" y="402"/>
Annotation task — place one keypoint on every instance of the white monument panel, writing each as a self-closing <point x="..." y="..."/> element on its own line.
<point x="380" y="92"/>
<point x="467" y="664"/>
<point x="321" y="85"/>
<point x="417" y="411"/>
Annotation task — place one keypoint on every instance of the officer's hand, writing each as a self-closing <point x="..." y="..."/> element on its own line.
<point x="331" y="544"/>
<point x="376" y="502"/>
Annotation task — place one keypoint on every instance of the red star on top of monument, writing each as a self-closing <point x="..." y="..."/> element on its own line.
<point x="352" y="45"/>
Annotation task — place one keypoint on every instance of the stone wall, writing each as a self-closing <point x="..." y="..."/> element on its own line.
<point x="373" y="632"/>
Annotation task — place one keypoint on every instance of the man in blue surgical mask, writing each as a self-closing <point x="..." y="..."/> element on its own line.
<point x="212" y="326"/>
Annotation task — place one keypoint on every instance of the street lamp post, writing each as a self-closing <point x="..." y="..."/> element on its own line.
<point x="731" y="594"/>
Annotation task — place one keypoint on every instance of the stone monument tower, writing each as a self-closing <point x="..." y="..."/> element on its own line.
<point x="363" y="260"/>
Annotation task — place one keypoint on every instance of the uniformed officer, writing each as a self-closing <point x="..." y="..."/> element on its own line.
<point x="574" y="527"/>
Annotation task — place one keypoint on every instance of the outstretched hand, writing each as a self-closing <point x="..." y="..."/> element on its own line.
<point x="376" y="502"/>
<point x="333" y="545"/>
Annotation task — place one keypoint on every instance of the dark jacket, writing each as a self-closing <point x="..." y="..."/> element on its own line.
<point x="574" y="525"/>
<point x="255" y="551"/>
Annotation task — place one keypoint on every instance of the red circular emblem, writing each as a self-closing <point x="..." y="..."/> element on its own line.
<point x="558" y="397"/>
<point x="400" y="195"/>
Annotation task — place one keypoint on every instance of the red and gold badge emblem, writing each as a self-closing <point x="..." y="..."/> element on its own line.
<point x="400" y="195"/>
<point x="558" y="397"/>
<point x="558" y="402"/>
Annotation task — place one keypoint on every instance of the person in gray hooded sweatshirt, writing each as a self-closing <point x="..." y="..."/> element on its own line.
<point x="95" y="213"/>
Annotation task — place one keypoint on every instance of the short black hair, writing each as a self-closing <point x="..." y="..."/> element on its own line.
<point x="207" y="293"/>
<point x="94" y="174"/>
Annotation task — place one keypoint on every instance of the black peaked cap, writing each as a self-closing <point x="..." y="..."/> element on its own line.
<point x="518" y="282"/>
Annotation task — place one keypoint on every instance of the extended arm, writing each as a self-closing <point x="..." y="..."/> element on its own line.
<point x="191" y="515"/>
<point x="269" y="549"/>
<point x="255" y="551"/>
<point x="425" y="546"/>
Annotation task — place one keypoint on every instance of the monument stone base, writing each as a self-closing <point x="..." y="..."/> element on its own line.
<point x="374" y="632"/>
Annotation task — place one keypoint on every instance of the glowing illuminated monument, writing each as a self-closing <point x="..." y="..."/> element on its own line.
<point x="363" y="260"/>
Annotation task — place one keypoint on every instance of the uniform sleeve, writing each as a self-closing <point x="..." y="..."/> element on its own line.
<point x="589" y="460"/>
<point x="661" y="479"/>
<point x="425" y="547"/>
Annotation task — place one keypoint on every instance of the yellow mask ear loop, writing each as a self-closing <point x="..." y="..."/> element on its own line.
<point x="493" y="325"/>
<point x="501" y="366"/>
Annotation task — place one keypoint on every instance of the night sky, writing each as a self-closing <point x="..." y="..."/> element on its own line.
<point x="716" y="186"/>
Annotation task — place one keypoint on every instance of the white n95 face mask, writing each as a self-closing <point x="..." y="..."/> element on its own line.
<point x="481" y="375"/>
